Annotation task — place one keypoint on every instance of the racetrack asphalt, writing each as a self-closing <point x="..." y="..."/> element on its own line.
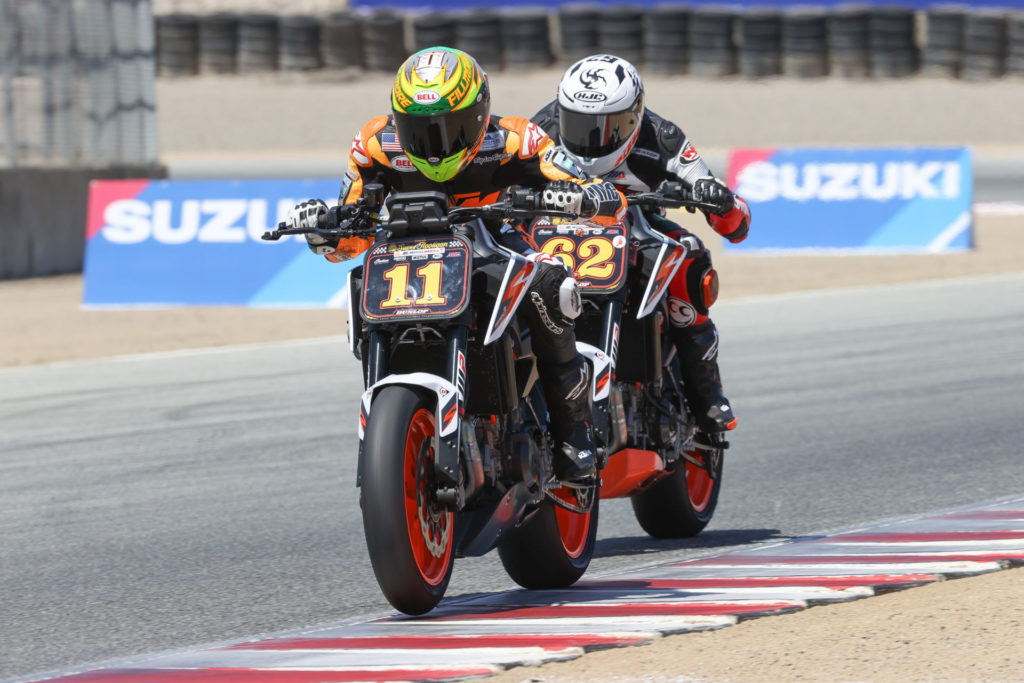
<point x="160" y="501"/>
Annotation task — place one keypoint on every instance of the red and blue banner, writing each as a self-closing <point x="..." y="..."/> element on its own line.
<point x="185" y="243"/>
<point x="873" y="200"/>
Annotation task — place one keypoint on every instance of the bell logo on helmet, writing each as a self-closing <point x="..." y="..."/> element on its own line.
<point x="589" y="96"/>
<point x="426" y="97"/>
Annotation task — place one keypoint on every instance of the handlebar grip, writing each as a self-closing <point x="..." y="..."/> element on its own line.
<point x="675" y="190"/>
<point x="525" y="198"/>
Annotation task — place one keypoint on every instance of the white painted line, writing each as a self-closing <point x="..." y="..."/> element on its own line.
<point x="338" y="660"/>
<point x="999" y="208"/>
<point x="848" y="568"/>
<point x="661" y="623"/>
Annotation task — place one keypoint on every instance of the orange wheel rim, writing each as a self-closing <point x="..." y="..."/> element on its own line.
<point x="429" y="525"/>
<point x="573" y="527"/>
<point x="699" y="484"/>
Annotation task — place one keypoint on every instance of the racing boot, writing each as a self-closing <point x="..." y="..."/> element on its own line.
<point x="702" y="383"/>
<point x="567" y="392"/>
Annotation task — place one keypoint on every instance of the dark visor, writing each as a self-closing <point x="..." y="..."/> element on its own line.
<point x="597" y="135"/>
<point x="441" y="135"/>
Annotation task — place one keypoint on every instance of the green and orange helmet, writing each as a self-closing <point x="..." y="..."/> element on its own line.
<point x="442" y="105"/>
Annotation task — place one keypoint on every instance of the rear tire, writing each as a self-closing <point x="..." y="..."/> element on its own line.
<point x="682" y="504"/>
<point x="409" y="536"/>
<point x="554" y="547"/>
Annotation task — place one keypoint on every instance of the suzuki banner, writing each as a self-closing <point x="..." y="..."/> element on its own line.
<point x="900" y="199"/>
<point x="170" y="243"/>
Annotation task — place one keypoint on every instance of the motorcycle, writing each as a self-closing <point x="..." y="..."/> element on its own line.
<point x="653" y="452"/>
<point x="455" y="454"/>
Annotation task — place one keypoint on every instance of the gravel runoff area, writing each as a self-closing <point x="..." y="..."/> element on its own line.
<point x="963" y="630"/>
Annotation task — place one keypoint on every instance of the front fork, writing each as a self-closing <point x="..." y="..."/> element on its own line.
<point x="450" y="391"/>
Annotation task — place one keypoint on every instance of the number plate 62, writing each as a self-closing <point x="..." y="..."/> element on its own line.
<point x="596" y="255"/>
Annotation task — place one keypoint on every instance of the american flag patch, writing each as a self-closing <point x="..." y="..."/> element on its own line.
<point x="389" y="142"/>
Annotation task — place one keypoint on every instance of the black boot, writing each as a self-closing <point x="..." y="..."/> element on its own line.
<point x="567" y="392"/>
<point x="698" y="358"/>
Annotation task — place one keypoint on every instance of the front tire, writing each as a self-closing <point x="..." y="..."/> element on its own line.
<point x="409" y="536"/>
<point x="682" y="504"/>
<point x="554" y="547"/>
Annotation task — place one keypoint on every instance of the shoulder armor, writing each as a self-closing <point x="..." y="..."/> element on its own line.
<point x="668" y="135"/>
<point x="366" y="146"/>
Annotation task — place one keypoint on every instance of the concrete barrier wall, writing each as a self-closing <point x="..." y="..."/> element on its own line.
<point x="42" y="217"/>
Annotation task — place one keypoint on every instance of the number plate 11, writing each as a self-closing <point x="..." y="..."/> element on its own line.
<point x="416" y="278"/>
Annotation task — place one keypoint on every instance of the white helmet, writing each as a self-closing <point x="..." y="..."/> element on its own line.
<point x="600" y="106"/>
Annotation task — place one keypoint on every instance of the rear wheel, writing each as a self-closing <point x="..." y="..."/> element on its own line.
<point x="553" y="548"/>
<point x="681" y="504"/>
<point x="409" y="535"/>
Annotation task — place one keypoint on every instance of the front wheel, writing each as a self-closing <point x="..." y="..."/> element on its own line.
<point x="681" y="504"/>
<point x="409" y="535"/>
<point x="552" y="549"/>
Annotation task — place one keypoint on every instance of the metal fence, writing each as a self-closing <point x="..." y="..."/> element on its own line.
<point x="77" y="83"/>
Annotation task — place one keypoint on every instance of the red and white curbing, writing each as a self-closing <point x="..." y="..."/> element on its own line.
<point x="484" y="635"/>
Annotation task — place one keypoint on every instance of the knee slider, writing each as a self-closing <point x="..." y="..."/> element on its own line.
<point x="702" y="283"/>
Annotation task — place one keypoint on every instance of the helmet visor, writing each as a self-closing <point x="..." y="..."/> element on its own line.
<point x="437" y="137"/>
<point x="597" y="135"/>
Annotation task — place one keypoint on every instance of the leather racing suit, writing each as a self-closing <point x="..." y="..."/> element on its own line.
<point x="514" y="151"/>
<point x="663" y="153"/>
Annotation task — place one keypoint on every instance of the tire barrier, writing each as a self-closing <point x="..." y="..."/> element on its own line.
<point x="620" y="31"/>
<point x="434" y="28"/>
<point x="341" y="41"/>
<point x="299" y="44"/>
<point x="712" y="51"/>
<point x="527" y="36"/>
<point x="218" y="44"/>
<point x="984" y="45"/>
<point x="177" y="45"/>
<point x="760" y="43"/>
<point x="257" y="43"/>
<point x="27" y="251"/>
<point x="383" y="37"/>
<point x="704" y="40"/>
<point x="805" y="43"/>
<point x="478" y="32"/>
<point x="891" y="43"/>
<point x="848" y="41"/>
<point x="666" y="28"/>
<point x="577" y="31"/>
<point x="942" y="53"/>
<point x="1015" y="45"/>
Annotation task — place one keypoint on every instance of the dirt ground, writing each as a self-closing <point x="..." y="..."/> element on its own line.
<point x="963" y="630"/>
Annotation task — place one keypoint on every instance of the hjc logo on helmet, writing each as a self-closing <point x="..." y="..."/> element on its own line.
<point x="589" y="96"/>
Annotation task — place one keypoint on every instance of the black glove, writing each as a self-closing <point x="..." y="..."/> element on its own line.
<point x="713" y="191"/>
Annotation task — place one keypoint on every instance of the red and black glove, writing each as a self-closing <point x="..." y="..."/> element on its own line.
<point x="731" y="216"/>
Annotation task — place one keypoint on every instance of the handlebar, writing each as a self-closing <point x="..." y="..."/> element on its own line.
<point x="670" y="196"/>
<point x="362" y="218"/>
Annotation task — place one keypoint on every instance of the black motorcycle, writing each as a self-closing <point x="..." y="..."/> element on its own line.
<point x="653" y="452"/>
<point x="455" y="454"/>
